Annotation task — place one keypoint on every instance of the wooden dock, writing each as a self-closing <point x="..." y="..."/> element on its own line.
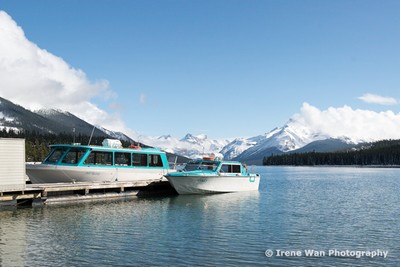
<point x="55" y="193"/>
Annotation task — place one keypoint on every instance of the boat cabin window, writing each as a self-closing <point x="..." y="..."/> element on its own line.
<point x="190" y="166"/>
<point x="155" y="161"/>
<point x="230" y="168"/>
<point x="74" y="155"/>
<point x="139" y="159"/>
<point x="55" y="155"/>
<point x="99" y="158"/>
<point x="122" y="159"/>
<point x="203" y="165"/>
<point x="211" y="166"/>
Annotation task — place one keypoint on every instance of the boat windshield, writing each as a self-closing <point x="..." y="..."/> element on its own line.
<point x="55" y="155"/>
<point x="201" y="165"/>
<point x="74" y="155"/>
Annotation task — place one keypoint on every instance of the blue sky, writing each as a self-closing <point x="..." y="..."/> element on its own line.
<point x="222" y="68"/>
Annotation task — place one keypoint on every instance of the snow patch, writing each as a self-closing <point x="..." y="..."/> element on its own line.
<point x="8" y="129"/>
<point x="5" y="118"/>
<point x="50" y="112"/>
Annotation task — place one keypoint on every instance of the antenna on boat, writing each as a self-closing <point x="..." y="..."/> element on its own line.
<point x="90" y="139"/>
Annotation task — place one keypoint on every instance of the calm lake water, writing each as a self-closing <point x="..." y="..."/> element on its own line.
<point x="345" y="215"/>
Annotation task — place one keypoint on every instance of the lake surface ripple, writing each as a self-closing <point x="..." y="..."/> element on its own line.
<point x="297" y="209"/>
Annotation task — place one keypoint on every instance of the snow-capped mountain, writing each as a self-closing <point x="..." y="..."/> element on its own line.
<point x="191" y="146"/>
<point x="16" y="118"/>
<point x="299" y="134"/>
<point x="237" y="147"/>
<point x="292" y="137"/>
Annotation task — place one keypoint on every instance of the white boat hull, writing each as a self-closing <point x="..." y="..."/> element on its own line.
<point x="214" y="184"/>
<point x="47" y="173"/>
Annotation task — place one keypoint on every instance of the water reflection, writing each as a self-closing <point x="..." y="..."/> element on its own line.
<point x="342" y="208"/>
<point x="12" y="238"/>
<point x="295" y="208"/>
<point x="214" y="225"/>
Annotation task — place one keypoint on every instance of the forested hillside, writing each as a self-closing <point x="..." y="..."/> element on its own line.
<point x="37" y="145"/>
<point x="385" y="153"/>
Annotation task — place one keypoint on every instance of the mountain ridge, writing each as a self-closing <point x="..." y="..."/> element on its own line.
<point x="17" y="118"/>
<point x="294" y="136"/>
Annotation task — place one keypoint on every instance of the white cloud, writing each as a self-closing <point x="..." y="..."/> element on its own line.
<point x="34" y="78"/>
<point x="377" y="99"/>
<point x="358" y="125"/>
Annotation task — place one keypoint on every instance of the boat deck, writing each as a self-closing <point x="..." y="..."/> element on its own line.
<point x="39" y="194"/>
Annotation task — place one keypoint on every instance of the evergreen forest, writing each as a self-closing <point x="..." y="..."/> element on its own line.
<point x="381" y="153"/>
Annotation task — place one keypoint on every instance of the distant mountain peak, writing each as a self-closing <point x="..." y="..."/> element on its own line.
<point x="164" y="137"/>
<point x="194" y="138"/>
<point x="50" y="112"/>
<point x="293" y="136"/>
<point x="47" y="121"/>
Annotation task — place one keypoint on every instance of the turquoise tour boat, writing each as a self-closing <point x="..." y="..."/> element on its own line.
<point x="209" y="175"/>
<point x="71" y="163"/>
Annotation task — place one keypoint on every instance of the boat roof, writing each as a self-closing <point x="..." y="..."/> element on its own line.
<point x="107" y="148"/>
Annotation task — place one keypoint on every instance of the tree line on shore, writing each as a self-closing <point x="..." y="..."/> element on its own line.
<point x="381" y="153"/>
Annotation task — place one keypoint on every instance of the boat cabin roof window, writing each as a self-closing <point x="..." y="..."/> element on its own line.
<point x="74" y="156"/>
<point x="230" y="168"/>
<point x="122" y="159"/>
<point x="155" y="161"/>
<point x="202" y="165"/>
<point x="139" y="159"/>
<point x="55" y="155"/>
<point x="191" y="166"/>
<point x="211" y="166"/>
<point x="99" y="158"/>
